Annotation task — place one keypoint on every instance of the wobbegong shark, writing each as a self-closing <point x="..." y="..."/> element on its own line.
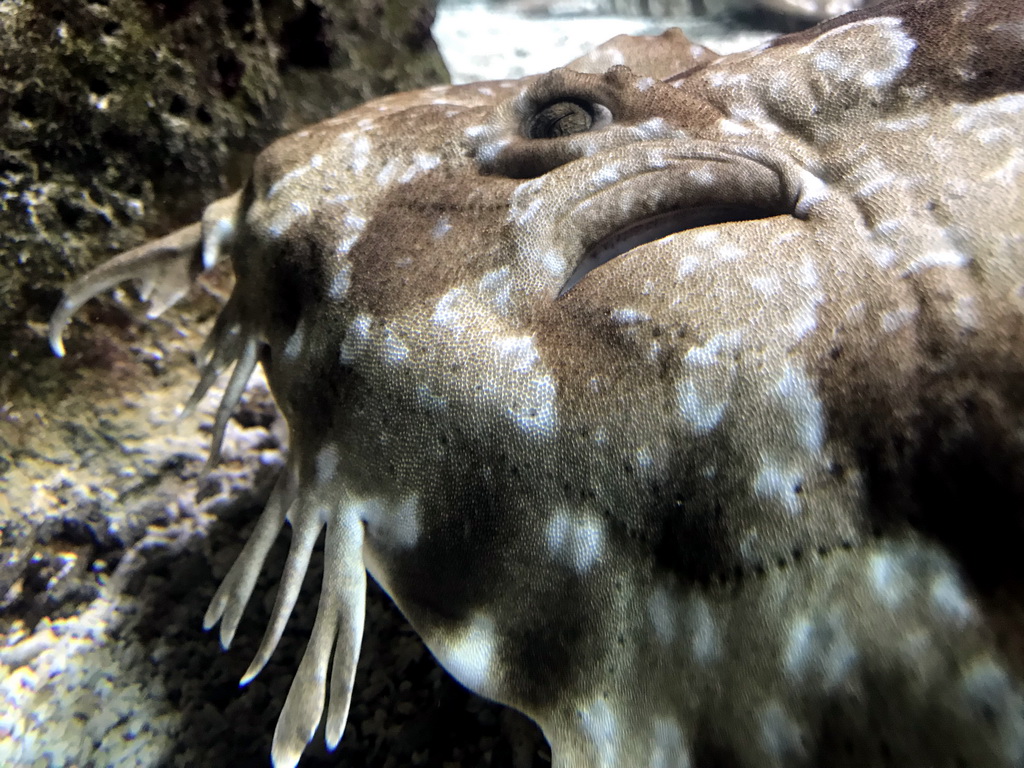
<point x="679" y="407"/>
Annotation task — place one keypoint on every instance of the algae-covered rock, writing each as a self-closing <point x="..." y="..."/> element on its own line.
<point x="122" y="118"/>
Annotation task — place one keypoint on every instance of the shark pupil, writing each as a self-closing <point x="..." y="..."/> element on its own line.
<point x="561" y="119"/>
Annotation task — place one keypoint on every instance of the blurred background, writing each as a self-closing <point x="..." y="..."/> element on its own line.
<point x="495" y="39"/>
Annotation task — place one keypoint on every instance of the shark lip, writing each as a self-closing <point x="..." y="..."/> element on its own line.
<point x="656" y="227"/>
<point x="631" y="196"/>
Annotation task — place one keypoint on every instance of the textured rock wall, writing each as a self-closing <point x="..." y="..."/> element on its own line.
<point x="120" y="118"/>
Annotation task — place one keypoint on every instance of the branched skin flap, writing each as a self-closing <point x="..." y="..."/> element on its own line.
<point x="681" y="413"/>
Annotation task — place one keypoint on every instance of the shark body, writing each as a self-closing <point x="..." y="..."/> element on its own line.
<point x="683" y="413"/>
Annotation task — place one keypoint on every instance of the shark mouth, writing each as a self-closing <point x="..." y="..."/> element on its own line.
<point x="655" y="228"/>
<point x="623" y="200"/>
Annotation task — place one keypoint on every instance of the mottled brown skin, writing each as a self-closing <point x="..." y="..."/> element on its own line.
<point x="745" y="495"/>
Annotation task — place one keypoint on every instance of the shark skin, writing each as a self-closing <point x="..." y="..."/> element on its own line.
<point x="684" y="415"/>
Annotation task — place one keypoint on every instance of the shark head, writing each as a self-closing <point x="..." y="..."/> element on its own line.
<point x="680" y="414"/>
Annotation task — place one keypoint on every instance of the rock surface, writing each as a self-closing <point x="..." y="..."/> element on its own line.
<point x="123" y="118"/>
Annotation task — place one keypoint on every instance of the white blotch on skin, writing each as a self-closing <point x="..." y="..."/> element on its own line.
<point x="430" y="400"/>
<point x="353" y="221"/>
<point x="767" y="286"/>
<point x="798" y="646"/>
<point x="804" y="406"/>
<point x="606" y="58"/>
<point x="552" y="260"/>
<point x="780" y="735"/>
<point x="701" y="411"/>
<point x="656" y="128"/>
<point x="669" y="748"/>
<point x="339" y="199"/>
<point x="442" y="228"/>
<point x="521" y="382"/>
<point x="447" y="311"/>
<point x="395" y="350"/>
<point x="360" y="154"/>
<point x="710" y="353"/>
<point x="994" y="700"/>
<point x="326" y="464"/>
<point x="965" y="310"/>
<point x="341" y="282"/>
<point x="628" y="317"/>
<point x="687" y="264"/>
<point x="420" y="164"/>
<point x="577" y="542"/>
<point x="517" y="352"/>
<point x="644" y="83"/>
<point x="884" y="257"/>
<point x="888" y="578"/>
<point x="820" y="646"/>
<point x="293" y="346"/>
<point x="388" y="172"/>
<point x="901" y="124"/>
<point x="875" y="184"/>
<point x="527" y="200"/>
<point x="662" y="613"/>
<point x="948" y="598"/>
<point x="895" y="319"/>
<point x="495" y="289"/>
<point x="703" y="389"/>
<point x="602" y="730"/>
<point x="584" y="145"/>
<point x="716" y="79"/>
<point x="889" y="228"/>
<point x="706" y="237"/>
<point x="729" y="252"/>
<point x="286" y="179"/>
<point x="939" y="257"/>
<point x="778" y="482"/>
<point x="357" y="339"/>
<point x="468" y="656"/>
<point x="876" y="58"/>
<point x="521" y="214"/>
<point x="389" y="525"/>
<point x="644" y="459"/>
<point x="606" y="176"/>
<point x="704" y="637"/>
<point x="353" y="225"/>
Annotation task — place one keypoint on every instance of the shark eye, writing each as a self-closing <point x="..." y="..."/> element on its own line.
<point x="566" y="117"/>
